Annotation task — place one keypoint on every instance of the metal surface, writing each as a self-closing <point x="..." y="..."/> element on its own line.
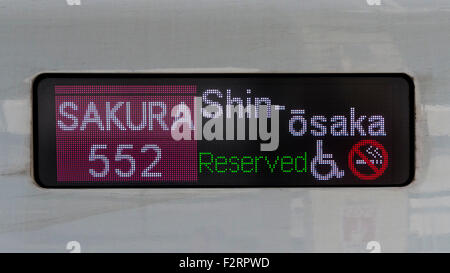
<point x="409" y="36"/>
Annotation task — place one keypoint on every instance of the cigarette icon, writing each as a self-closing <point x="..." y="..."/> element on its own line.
<point x="374" y="153"/>
<point x="374" y="161"/>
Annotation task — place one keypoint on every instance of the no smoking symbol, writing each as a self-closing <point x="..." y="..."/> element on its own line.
<point x="377" y="165"/>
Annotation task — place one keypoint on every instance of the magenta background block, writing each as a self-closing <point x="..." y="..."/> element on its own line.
<point x="178" y="158"/>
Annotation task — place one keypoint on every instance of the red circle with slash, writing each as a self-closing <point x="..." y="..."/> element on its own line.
<point x="377" y="172"/>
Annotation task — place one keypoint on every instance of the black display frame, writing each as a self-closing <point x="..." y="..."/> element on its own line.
<point x="44" y="147"/>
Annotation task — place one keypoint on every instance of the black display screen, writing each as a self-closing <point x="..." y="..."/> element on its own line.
<point x="223" y="130"/>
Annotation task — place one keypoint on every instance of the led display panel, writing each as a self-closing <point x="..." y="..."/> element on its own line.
<point x="223" y="130"/>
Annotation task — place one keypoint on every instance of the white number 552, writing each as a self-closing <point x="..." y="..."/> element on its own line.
<point x="121" y="155"/>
